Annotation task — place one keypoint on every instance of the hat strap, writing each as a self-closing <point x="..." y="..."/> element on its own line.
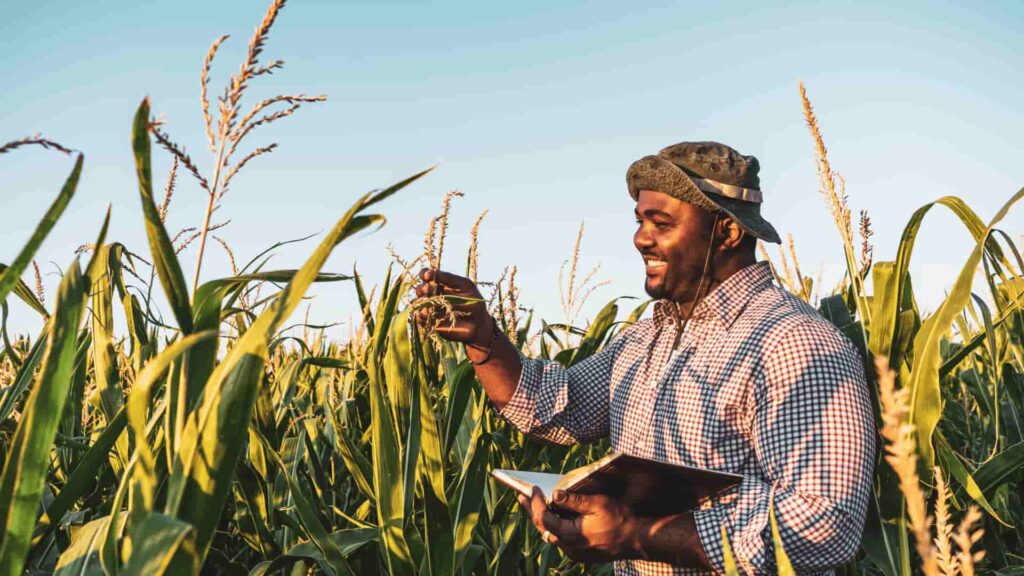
<point x="728" y="190"/>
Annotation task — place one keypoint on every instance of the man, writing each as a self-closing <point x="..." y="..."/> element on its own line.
<point x="731" y="373"/>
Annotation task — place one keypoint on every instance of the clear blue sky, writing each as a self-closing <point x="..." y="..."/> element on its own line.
<point x="535" y="109"/>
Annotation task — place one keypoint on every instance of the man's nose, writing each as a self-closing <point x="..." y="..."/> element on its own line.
<point x="641" y="239"/>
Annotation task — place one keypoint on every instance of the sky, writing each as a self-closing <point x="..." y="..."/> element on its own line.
<point x="534" y="110"/>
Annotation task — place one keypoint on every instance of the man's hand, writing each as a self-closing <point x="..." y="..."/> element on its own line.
<point x="472" y="324"/>
<point x="605" y="529"/>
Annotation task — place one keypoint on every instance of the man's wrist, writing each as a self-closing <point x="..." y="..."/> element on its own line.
<point x="640" y="537"/>
<point x="481" y="339"/>
<point x="670" y="539"/>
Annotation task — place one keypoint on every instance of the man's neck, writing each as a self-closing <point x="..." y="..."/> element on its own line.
<point x="719" y="273"/>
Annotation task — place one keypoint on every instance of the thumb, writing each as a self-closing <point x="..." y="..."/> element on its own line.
<point x="572" y="501"/>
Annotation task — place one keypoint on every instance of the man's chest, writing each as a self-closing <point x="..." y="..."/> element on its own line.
<point x="693" y="406"/>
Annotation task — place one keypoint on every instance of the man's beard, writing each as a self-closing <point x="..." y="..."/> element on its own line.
<point x="669" y="283"/>
<point x="657" y="292"/>
<point x="662" y="290"/>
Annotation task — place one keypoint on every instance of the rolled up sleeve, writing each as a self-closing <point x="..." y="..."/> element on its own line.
<point x="564" y="405"/>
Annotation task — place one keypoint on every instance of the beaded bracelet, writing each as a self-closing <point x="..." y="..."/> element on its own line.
<point x="490" y="345"/>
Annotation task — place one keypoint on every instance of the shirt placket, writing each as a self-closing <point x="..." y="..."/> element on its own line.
<point x="643" y="437"/>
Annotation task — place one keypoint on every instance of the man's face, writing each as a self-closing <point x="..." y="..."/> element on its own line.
<point x="673" y="237"/>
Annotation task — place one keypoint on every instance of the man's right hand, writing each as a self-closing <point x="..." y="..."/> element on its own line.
<point x="472" y="326"/>
<point x="494" y="358"/>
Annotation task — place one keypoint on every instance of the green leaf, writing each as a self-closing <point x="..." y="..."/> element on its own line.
<point x="990" y="475"/>
<point x="834" y="309"/>
<point x="595" y="335"/>
<point x="356" y="464"/>
<point x="22" y="291"/>
<point x="200" y="361"/>
<point x="105" y="369"/>
<point x="727" y="556"/>
<point x="82" y="557"/>
<point x="470" y="499"/>
<point x="438" y="535"/>
<point x="28" y="459"/>
<point x="144" y="475"/>
<point x="460" y="388"/>
<point x="963" y="477"/>
<point x="783" y="567"/>
<point x="23" y="379"/>
<point x="205" y="461"/>
<point x="388" y="482"/>
<point x="926" y="398"/>
<point x="83" y="477"/>
<point x="10" y="276"/>
<point x="397" y="368"/>
<point x="168" y="268"/>
<point x="155" y="542"/>
<point x="348" y="541"/>
<point x="334" y="559"/>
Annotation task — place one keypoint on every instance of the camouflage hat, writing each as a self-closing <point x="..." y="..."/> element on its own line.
<point x="710" y="175"/>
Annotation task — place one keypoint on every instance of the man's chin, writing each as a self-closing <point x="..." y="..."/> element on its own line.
<point x="654" y="290"/>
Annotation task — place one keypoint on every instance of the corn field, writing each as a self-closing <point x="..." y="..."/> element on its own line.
<point x="206" y="438"/>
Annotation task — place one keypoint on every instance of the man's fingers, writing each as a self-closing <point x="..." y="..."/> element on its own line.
<point x="537" y="508"/>
<point x="573" y="501"/>
<point x="436" y="282"/>
<point x="422" y="316"/>
<point x="546" y="522"/>
<point x="453" y="280"/>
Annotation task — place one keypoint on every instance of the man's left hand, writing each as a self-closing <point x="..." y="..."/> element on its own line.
<point x="604" y="530"/>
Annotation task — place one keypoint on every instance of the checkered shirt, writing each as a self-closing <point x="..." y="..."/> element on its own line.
<point x="759" y="385"/>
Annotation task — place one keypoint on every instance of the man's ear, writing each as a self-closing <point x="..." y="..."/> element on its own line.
<point x="730" y="233"/>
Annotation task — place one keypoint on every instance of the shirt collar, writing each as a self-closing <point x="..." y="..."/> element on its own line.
<point x="726" y="301"/>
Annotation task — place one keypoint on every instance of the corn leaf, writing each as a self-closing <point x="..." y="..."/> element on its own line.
<point x="164" y="259"/>
<point x="155" y="542"/>
<point x="469" y="500"/>
<point x="84" y="476"/>
<point x="783" y="567"/>
<point x="26" y="373"/>
<point x="728" y="559"/>
<point x="22" y="291"/>
<point x="388" y="484"/>
<point x="82" y="557"/>
<point x="438" y="535"/>
<point x="205" y="461"/>
<point x="10" y="276"/>
<point x="926" y="399"/>
<point x="990" y="475"/>
<point x="333" y="558"/>
<point x="956" y="469"/>
<point x="24" y="473"/>
<point x="348" y="541"/>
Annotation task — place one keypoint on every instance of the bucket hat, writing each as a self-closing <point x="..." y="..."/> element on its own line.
<point x="710" y="175"/>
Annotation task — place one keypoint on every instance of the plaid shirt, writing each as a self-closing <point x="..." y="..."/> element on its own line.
<point x="759" y="385"/>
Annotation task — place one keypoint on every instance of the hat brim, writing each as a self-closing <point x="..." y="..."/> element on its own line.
<point x="658" y="174"/>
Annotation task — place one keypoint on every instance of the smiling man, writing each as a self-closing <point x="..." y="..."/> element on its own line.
<point x="731" y="373"/>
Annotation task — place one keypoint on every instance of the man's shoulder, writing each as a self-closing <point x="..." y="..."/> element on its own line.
<point x="778" y="316"/>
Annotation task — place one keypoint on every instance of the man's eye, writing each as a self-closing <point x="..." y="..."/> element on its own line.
<point x="661" y="225"/>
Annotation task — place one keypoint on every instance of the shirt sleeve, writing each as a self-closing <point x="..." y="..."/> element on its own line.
<point x="814" y="438"/>
<point x="564" y="405"/>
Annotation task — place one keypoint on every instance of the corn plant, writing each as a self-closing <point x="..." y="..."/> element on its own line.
<point x="219" y="441"/>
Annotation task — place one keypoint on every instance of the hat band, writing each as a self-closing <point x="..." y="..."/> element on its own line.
<point x="728" y="190"/>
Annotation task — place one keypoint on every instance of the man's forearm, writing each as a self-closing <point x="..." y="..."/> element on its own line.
<point x="672" y="540"/>
<point x="500" y="374"/>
